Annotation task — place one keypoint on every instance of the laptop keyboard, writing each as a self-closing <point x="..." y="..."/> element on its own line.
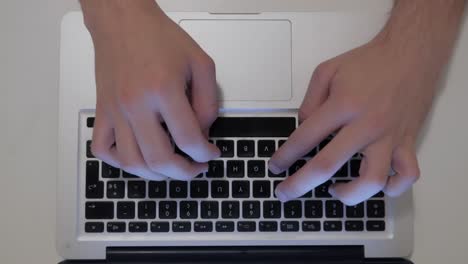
<point x="235" y="195"/>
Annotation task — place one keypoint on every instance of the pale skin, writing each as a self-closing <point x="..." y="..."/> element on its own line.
<point x="375" y="97"/>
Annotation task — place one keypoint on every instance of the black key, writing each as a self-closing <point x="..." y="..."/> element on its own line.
<point x="95" y="190"/>
<point x="115" y="189"/>
<point x="379" y="195"/>
<point x="167" y="209"/>
<point x="296" y="166"/>
<point x="92" y="172"/>
<point x="251" y="209"/>
<point x="280" y="143"/>
<point x="178" y="189"/>
<point x="333" y="209"/>
<point x="311" y="226"/>
<point x="322" y="190"/>
<point x="157" y="189"/>
<point x="261" y="189"/>
<point x="253" y="127"/>
<point x="375" y="226"/>
<point x="356" y="211"/>
<point x="203" y="227"/>
<point x="268" y="226"/>
<point x="94" y="227"/>
<point x="126" y="210"/>
<point x="307" y="195"/>
<point x="311" y="153"/>
<point x="138" y="227"/>
<point x="342" y="172"/>
<point x="199" y="189"/>
<point x="199" y="176"/>
<point x="209" y="209"/>
<point x="266" y="148"/>
<point x="224" y="226"/>
<point x="313" y="209"/>
<point x="332" y="226"/>
<point x="354" y="226"/>
<point x="230" y="209"/>
<point x="159" y="227"/>
<point x="109" y="172"/>
<point x="188" y="210"/>
<point x="354" y="167"/>
<point x="272" y="175"/>
<point x="181" y="227"/>
<point x="246" y="226"/>
<point x="271" y="209"/>
<point x="275" y="184"/>
<point x="219" y="189"/>
<point x="324" y="143"/>
<point x="99" y="210"/>
<point x="89" y="153"/>
<point x="292" y="209"/>
<point x="245" y="148"/>
<point x="136" y="189"/>
<point x="129" y="175"/>
<point x="235" y="169"/>
<point x="357" y="155"/>
<point x="215" y="169"/>
<point x="116" y="227"/>
<point x="289" y="226"/>
<point x="226" y="147"/>
<point x="375" y="209"/>
<point x="147" y="210"/>
<point x="256" y="168"/>
<point x="90" y="122"/>
<point x="240" y="189"/>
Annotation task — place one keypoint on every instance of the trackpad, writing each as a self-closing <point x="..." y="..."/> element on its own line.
<point x="253" y="57"/>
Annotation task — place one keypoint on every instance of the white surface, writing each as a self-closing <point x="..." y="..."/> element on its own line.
<point x="29" y="44"/>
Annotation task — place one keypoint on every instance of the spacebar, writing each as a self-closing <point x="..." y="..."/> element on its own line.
<point x="253" y="127"/>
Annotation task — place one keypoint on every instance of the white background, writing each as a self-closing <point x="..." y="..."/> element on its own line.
<point x="29" y="71"/>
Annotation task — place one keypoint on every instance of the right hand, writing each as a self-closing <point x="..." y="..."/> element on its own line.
<point x="144" y="63"/>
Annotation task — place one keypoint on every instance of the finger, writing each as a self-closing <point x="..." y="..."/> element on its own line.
<point x="103" y="142"/>
<point x="372" y="178"/>
<point x="405" y="164"/>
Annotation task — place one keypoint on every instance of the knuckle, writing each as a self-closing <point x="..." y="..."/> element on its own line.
<point x="128" y="98"/>
<point x="206" y="63"/>
<point x="323" y="72"/>
<point x="324" y="165"/>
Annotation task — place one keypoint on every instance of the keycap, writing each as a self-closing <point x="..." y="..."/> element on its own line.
<point x="332" y="226"/>
<point x="240" y="189"/>
<point x="226" y="147"/>
<point x="108" y="171"/>
<point x="333" y="209"/>
<point x="322" y="190"/>
<point x="271" y="209"/>
<point x="90" y="122"/>
<point x="224" y="226"/>
<point x="375" y="226"/>
<point x="307" y="195"/>
<point x="256" y="168"/>
<point x="289" y="226"/>
<point x="181" y="227"/>
<point x="94" y="227"/>
<point x="115" y="189"/>
<point x="356" y="211"/>
<point x="354" y="167"/>
<point x="157" y="189"/>
<point x="215" y="169"/>
<point x="230" y="209"/>
<point x="342" y="172"/>
<point x="188" y="210"/>
<point x="199" y="189"/>
<point x="199" y="176"/>
<point x="116" y="227"/>
<point x="261" y="189"/>
<point x="251" y="209"/>
<point x="280" y="143"/>
<point x="147" y="210"/>
<point x="266" y="148"/>
<point x="159" y="227"/>
<point x="178" y="189"/>
<point x="209" y="209"/>
<point x="379" y="195"/>
<point x="125" y="210"/>
<point x="138" y="227"/>
<point x="219" y="189"/>
<point x="253" y="127"/>
<point x="129" y="175"/>
<point x="375" y="209"/>
<point x="95" y="190"/>
<point x="92" y="172"/>
<point x="136" y="189"/>
<point x="292" y="209"/>
<point x="268" y="226"/>
<point x="203" y="227"/>
<point x="167" y="209"/>
<point x="246" y="226"/>
<point x="273" y="175"/>
<point x="311" y="153"/>
<point x="296" y="166"/>
<point x="245" y="148"/>
<point x="235" y="169"/>
<point x="89" y="153"/>
<point x="313" y="209"/>
<point x="99" y="210"/>
<point x="311" y="226"/>
<point x="354" y="226"/>
<point x="324" y="143"/>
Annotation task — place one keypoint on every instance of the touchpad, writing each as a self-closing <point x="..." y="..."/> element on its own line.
<point x="253" y="57"/>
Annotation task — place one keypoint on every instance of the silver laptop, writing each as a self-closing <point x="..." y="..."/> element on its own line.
<point x="229" y="214"/>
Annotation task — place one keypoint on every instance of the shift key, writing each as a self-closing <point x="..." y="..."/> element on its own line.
<point x="99" y="210"/>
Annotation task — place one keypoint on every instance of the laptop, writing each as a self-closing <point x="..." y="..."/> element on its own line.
<point x="229" y="214"/>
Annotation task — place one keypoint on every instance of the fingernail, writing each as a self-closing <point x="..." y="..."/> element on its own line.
<point x="332" y="191"/>
<point x="281" y="196"/>
<point x="273" y="168"/>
